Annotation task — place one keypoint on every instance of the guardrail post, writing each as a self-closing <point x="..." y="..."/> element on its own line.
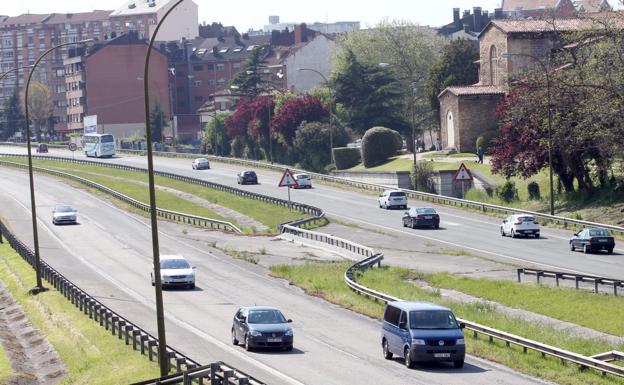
<point x="519" y="271"/>
<point x="243" y="381"/>
<point x="576" y="281"/>
<point x="596" y="281"/>
<point x="127" y="331"/>
<point x="114" y="321"/>
<point x="1" y="241"/>
<point x="120" y="326"/>
<point x="557" y="279"/>
<point x="227" y="374"/>
<point x="213" y="374"/>
<point x="143" y="339"/>
<point x="537" y="276"/>
<point x="150" y="350"/>
<point x="615" y="286"/>
<point x="186" y="379"/>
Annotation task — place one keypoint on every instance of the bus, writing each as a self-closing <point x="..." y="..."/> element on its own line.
<point x="98" y="145"/>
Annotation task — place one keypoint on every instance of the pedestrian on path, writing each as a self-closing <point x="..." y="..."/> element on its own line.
<point x="480" y="155"/>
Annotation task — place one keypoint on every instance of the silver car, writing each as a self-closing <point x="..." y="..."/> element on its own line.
<point x="201" y="164"/>
<point x="175" y="271"/>
<point x="520" y="224"/>
<point x="63" y="213"/>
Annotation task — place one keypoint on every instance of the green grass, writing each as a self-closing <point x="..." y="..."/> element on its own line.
<point x="394" y="164"/>
<point x="600" y="312"/>
<point x="265" y="213"/>
<point x="90" y="354"/>
<point x="5" y="367"/>
<point x="326" y="280"/>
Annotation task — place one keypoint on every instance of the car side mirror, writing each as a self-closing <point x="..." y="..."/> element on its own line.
<point x="289" y="320"/>
<point x="406" y="214"/>
<point x="504" y="220"/>
<point x="243" y="319"/>
<point x="576" y="234"/>
<point x="194" y="267"/>
<point x="403" y="325"/>
<point x="462" y="325"/>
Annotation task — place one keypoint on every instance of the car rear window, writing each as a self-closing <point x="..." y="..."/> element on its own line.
<point x="425" y="210"/>
<point x="301" y="176"/>
<point x="397" y="194"/>
<point x="599" y="233"/>
<point x="250" y="173"/>
<point x="526" y="219"/>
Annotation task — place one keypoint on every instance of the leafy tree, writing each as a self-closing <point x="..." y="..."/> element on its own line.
<point x="455" y="67"/>
<point x="157" y="122"/>
<point x="11" y="117"/>
<point x="378" y="144"/>
<point x="293" y="112"/>
<point x="250" y="124"/>
<point x="312" y="143"/>
<point x="40" y="108"/>
<point x="370" y="95"/>
<point x="215" y="135"/>
<point x="251" y="80"/>
<point x="325" y="95"/>
<point x="282" y="98"/>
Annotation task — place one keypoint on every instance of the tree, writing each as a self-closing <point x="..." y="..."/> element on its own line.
<point x="250" y="124"/>
<point x="215" y="135"/>
<point x="378" y="144"/>
<point x="311" y="141"/>
<point x="40" y="108"/>
<point x="157" y="122"/>
<point x="370" y="95"/>
<point x="11" y="117"/>
<point x="293" y="112"/>
<point x="455" y="67"/>
<point x="251" y="80"/>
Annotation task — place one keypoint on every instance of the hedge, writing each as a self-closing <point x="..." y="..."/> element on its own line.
<point x="346" y="157"/>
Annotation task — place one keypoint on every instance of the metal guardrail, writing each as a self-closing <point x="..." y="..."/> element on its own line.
<point x="167" y="214"/>
<point x="577" y="278"/>
<point x="328" y="239"/>
<point x="216" y="373"/>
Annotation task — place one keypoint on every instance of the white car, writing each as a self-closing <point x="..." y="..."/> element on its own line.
<point x="303" y="180"/>
<point x="520" y="224"/>
<point x="200" y="164"/>
<point x="175" y="271"/>
<point x="392" y="198"/>
<point x="62" y="213"/>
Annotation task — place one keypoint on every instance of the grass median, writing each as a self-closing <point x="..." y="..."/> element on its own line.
<point x="326" y="280"/>
<point x="5" y="367"/>
<point x="133" y="184"/>
<point x="89" y="353"/>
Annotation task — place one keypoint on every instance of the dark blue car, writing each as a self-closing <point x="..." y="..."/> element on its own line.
<point x="422" y="332"/>
<point x="262" y="327"/>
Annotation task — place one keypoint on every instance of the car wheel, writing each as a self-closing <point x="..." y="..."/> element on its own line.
<point x="458" y="364"/>
<point x="387" y="354"/>
<point x="408" y="358"/>
<point x="572" y="248"/>
<point x="234" y="340"/>
<point x="192" y="286"/>
<point x="289" y="348"/>
<point x="413" y="223"/>
<point x="513" y="233"/>
<point x="404" y="224"/>
<point x="502" y="231"/>
<point x="96" y="155"/>
<point x="436" y="226"/>
<point x="537" y="235"/>
<point x="610" y="250"/>
<point x="247" y="345"/>
<point x="586" y="249"/>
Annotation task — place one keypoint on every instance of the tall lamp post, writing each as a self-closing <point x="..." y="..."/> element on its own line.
<point x="549" y="134"/>
<point x="331" y="102"/>
<point x="33" y="209"/>
<point x="163" y="360"/>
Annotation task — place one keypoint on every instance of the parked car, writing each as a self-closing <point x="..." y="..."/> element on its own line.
<point x="262" y="327"/>
<point x="175" y="271"/>
<point x="201" y="164"/>
<point x="392" y="198"/>
<point x="303" y="180"/>
<point x="592" y="240"/>
<point x="420" y="217"/>
<point x="520" y="224"/>
<point x="63" y="213"/>
<point x="247" y="177"/>
<point x="42" y="148"/>
<point x="422" y="332"/>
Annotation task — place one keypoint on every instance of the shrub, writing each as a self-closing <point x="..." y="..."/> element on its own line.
<point x="534" y="191"/>
<point x="346" y="157"/>
<point x="378" y="144"/>
<point x="485" y="140"/>
<point x="507" y="192"/>
<point x="311" y="141"/>
<point x="422" y="177"/>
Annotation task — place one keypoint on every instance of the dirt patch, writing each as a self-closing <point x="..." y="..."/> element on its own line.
<point x="32" y="357"/>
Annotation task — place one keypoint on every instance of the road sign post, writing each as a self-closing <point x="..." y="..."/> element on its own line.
<point x="462" y="175"/>
<point x="72" y="147"/>
<point x="288" y="180"/>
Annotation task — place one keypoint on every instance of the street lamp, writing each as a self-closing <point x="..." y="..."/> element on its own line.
<point x="39" y="285"/>
<point x="331" y="102"/>
<point x="550" y="168"/>
<point x="163" y="360"/>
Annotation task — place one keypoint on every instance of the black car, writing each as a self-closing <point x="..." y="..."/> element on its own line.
<point x="594" y="239"/>
<point x="262" y="327"/>
<point x="421" y="217"/>
<point x="247" y="177"/>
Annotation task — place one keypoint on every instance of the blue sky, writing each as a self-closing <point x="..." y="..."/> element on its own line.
<point x="245" y="14"/>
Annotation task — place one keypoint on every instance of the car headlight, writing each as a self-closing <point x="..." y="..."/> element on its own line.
<point x="417" y="341"/>
<point x="288" y="332"/>
<point x="460" y="341"/>
<point x="255" y="333"/>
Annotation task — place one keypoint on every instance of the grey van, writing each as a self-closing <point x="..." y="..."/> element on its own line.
<point x="422" y="332"/>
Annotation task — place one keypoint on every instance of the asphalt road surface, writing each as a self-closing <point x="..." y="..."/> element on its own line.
<point x="109" y="255"/>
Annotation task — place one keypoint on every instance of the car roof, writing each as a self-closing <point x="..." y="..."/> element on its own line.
<point x="393" y="190"/>
<point x="260" y="308"/>
<point x="300" y="174"/>
<point x="523" y="215"/>
<point x="171" y="256"/>
<point x="201" y="159"/>
<point x="410" y="306"/>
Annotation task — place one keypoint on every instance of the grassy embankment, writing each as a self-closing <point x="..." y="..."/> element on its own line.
<point x="133" y="184"/>
<point x="5" y="367"/>
<point x="326" y="280"/>
<point x="89" y="353"/>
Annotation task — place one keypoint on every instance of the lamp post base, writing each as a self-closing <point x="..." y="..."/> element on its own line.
<point x="37" y="289"/>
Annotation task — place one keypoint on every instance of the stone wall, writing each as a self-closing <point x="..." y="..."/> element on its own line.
<point x="477" y="115"/>
<point x="448" y="103"/>
<point x="497" y="38"/>
<point x="400" y="179"/>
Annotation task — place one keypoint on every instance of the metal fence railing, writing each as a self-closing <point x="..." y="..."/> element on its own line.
<point x="577" y="278"/>
<point x="216" y="373"/>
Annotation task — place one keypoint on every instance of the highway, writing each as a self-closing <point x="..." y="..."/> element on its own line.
<point x="471" y="231"/>
<point x="109" y="255"/>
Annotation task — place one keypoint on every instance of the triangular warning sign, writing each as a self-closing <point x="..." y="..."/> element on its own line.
<point x="462" y="173"/>
<point x="288" y="180"/>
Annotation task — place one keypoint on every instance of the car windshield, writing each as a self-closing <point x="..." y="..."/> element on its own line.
<point x="432" y="319"/>
<point x="174" y="264"/>
<point x="249" y="173"/>
<point x="397" y="194"/>
<point x="107" y="139"/>
<point x="425" y="210"/>
<point x="599" y="233"/>
<point x="526" y="219"/>
<point x="63" y="209"/>
<point x="268" y="316"/>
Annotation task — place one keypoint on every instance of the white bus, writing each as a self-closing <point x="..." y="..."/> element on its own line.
<point x="98" y="145"/>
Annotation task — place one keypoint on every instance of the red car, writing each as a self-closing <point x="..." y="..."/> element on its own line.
<point x="42" y="147"/>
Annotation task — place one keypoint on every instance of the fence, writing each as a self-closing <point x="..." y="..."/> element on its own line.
<point x="216" y="374"/>
<point x="577" y="278"/>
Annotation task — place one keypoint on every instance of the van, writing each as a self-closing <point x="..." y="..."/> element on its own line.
<point x="422" y="332"/>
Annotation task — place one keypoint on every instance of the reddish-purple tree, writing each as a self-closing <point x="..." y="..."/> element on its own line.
<point x="295" y="111"/>
<point x="251" y="118"/>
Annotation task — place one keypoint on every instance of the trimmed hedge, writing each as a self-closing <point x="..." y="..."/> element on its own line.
<point x="346" y="157"/>
<point x="378" y="144"/>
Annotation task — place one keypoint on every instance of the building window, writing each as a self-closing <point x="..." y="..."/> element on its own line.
<point x="210" y="67"/>
<point x="199" y="98"/>
<point x="493" y="66"/>
<point x="221" y="82"/>
<point x="198" y="67"/>
<point x="198" y="83"/>
<point x="220" y="66"/>
<point x="212" y="82"/>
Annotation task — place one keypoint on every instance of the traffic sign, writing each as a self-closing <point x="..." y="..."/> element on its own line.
<point x="462" y="174"/>
<point x="72" y="147"/>
<point x="288" y="180"/>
